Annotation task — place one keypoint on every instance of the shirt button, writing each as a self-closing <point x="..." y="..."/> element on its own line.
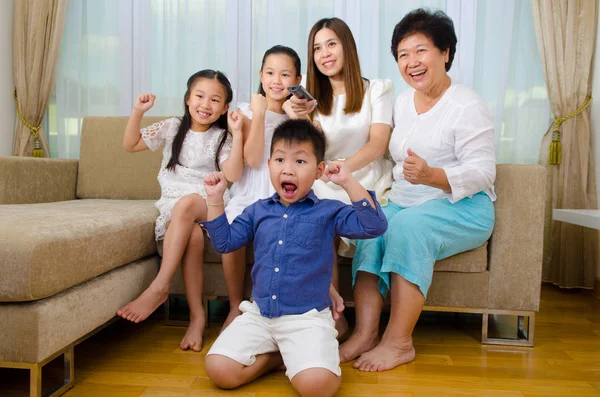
<point x="201" y="224"/>
<point x="285" y="216"/>
<point x="280" y="242"/>
<point x="274" y="297"/>
<point x="364" y="203"/>
<point x="276" y="270"/>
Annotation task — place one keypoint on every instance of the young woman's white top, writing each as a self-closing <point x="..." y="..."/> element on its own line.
<point x="348" y="133"/>
<point x="255" y="183"/>
<point x="197" y="158"/>
<point x="457" y="134"/>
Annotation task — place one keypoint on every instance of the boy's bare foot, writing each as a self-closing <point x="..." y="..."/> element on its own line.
<point x="193" y="335"/>
<point x="233" y="313"/>
<point x="385" y="356"/>
<point x="139" y="309"/>
<point x="357" y="344"/>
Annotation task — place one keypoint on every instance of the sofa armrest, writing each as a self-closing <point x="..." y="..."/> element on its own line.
<point x="28" y="180"/>
<point x="516" y="245"/>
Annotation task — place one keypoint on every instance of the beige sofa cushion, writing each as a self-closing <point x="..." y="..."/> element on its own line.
<point x="47" y="248"/>
<point x="107" y="171"/>
<point x="473" y="261"/>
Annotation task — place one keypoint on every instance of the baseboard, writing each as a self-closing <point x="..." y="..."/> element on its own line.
<point x="597" y="287"/>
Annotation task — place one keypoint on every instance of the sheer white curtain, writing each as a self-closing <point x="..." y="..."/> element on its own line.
<point x="116" y="49"/>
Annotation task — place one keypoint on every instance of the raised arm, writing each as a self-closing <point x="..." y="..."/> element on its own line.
<point x="254" y="131"/>
<point x="234" y="165"/>
<point x="132" y="140"/>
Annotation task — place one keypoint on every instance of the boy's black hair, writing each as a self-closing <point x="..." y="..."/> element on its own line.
<point x="298" y="131"/>
<point x="436" y="25"/>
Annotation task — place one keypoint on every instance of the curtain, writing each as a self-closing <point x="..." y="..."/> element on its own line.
<point x="38" y="27"/>
<point x="566" y="33"/>
<point x="156" y="45"/>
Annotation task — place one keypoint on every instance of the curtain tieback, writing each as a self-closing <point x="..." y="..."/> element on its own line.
<point x="555" y="153"/>
<point x="38" y="151"/>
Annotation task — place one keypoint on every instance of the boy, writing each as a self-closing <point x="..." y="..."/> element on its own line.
<point x="293" y="234"/>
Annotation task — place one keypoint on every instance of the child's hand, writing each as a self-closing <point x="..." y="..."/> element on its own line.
<point x="338" y="172"/>
<point x="258" y="103"/>
<point x="235" y="120"/>
<point x="144" y="102"/>
<point x="337" y="303"/>
<point x="215" y="185"/>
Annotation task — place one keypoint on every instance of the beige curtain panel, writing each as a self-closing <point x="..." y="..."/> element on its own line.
<point x="36" y="47"/>
<point x="566" y="34"/>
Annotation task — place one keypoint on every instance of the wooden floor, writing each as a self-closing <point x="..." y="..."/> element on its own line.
<point x="144" y="360"/>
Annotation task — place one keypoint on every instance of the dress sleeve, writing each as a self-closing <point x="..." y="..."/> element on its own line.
<point x="154" y="135"/>
<point x="380" y="96"/>
<point x="226" y="149"/>
<point x="474" y="148"/>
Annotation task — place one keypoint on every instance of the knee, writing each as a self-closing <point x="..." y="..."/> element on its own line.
<point x="316" y="382"/>
<point x="184" y="207"/>
<point x="221" y="372"/>
<point x="197" y="237"/>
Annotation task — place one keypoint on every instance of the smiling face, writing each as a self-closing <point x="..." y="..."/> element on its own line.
<point x="278" y="73"/>
<point x="293" y="169"/>
<point x="421" y="64"/>
<point x="328" y="53"/>
<point x="206" y="103"/>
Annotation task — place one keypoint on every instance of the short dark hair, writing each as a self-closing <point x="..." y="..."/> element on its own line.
<point x="298" y="131"/>
<point x="436" y="25"/>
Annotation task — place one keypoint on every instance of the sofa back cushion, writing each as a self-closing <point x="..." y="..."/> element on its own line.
<point x="107" y="171"/>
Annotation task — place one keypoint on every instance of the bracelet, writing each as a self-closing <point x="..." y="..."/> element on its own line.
<point x="215" y="205"/>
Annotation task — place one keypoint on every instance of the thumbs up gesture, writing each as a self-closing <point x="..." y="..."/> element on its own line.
<point x="415" y="169"/>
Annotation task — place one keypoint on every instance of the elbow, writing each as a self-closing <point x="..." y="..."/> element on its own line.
<point x="252" y="161"/>
<point x="128" y="148"/>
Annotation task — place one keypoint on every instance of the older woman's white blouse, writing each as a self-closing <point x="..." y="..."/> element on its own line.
<point x="348" y="133"/>
<point x="457" y="135"/>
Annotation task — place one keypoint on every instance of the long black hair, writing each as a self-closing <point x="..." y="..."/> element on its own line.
<point x="277" y="50"/>
<point x="186" y="120"/>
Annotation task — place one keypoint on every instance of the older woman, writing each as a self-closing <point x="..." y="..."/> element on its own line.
<point x="442" y="196"/>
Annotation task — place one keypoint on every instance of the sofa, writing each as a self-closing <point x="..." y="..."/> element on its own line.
<point x="77" y="243"/>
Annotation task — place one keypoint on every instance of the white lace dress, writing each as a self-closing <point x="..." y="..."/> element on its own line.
<point x="197" y="160"/>
<point x="255" y="183"/>
<point x="348" y="133"/>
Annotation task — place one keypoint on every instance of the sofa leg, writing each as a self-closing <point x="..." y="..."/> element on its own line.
<point x="524" y="331"/>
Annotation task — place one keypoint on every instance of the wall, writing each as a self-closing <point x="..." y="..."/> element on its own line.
<point x="7" y="103"/>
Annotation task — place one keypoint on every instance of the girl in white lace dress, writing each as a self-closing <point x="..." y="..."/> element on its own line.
<point x="194" y="146"/>
<point x="280" y="69"/>
<point x="354" y="113"/>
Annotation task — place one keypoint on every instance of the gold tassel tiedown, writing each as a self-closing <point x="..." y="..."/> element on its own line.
<point x="555" y="153"/>
<point x="38" y="151"/>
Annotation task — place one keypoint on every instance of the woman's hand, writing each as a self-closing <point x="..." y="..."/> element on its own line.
<point x="258" y="104"/>
<point x="416" y="170"/>
<point x="301" y="107"/>
<point x="215" y="185"/>
<point x="144" y="102"/>
<point x="235" y="121"/>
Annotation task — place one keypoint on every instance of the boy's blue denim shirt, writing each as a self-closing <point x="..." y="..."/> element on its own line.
<point x="294" y="247"/>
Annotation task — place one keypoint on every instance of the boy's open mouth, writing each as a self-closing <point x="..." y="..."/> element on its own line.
<point x="288" y="189"/>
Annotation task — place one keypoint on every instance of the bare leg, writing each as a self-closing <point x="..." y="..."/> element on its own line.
<point x="234" y="268"/>
<point x="318" y="382"/>
<point x="368" y="305"/>
<point x="396" y="347"/>
<point x="192" y="268"/>
<point x="227" y="373"/>
<point x="341" y="324"/>
<point x="186" y="212"/>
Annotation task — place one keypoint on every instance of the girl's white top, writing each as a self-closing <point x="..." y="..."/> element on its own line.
<point x="197" y="159"/>
<point x="255" y="183"/>
<point x="457" y="135"/>
<point x="348" y="133"/>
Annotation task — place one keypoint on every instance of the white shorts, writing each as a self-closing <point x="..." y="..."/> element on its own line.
<point x="305" y="340"/>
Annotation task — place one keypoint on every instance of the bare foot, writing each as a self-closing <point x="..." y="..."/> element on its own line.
<point x="357" y="344"/>
<point x="193" y="335"/>
<point x="145" y="304"/>
<point x="233" y="313"/>
<point x="385" y="356"/>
